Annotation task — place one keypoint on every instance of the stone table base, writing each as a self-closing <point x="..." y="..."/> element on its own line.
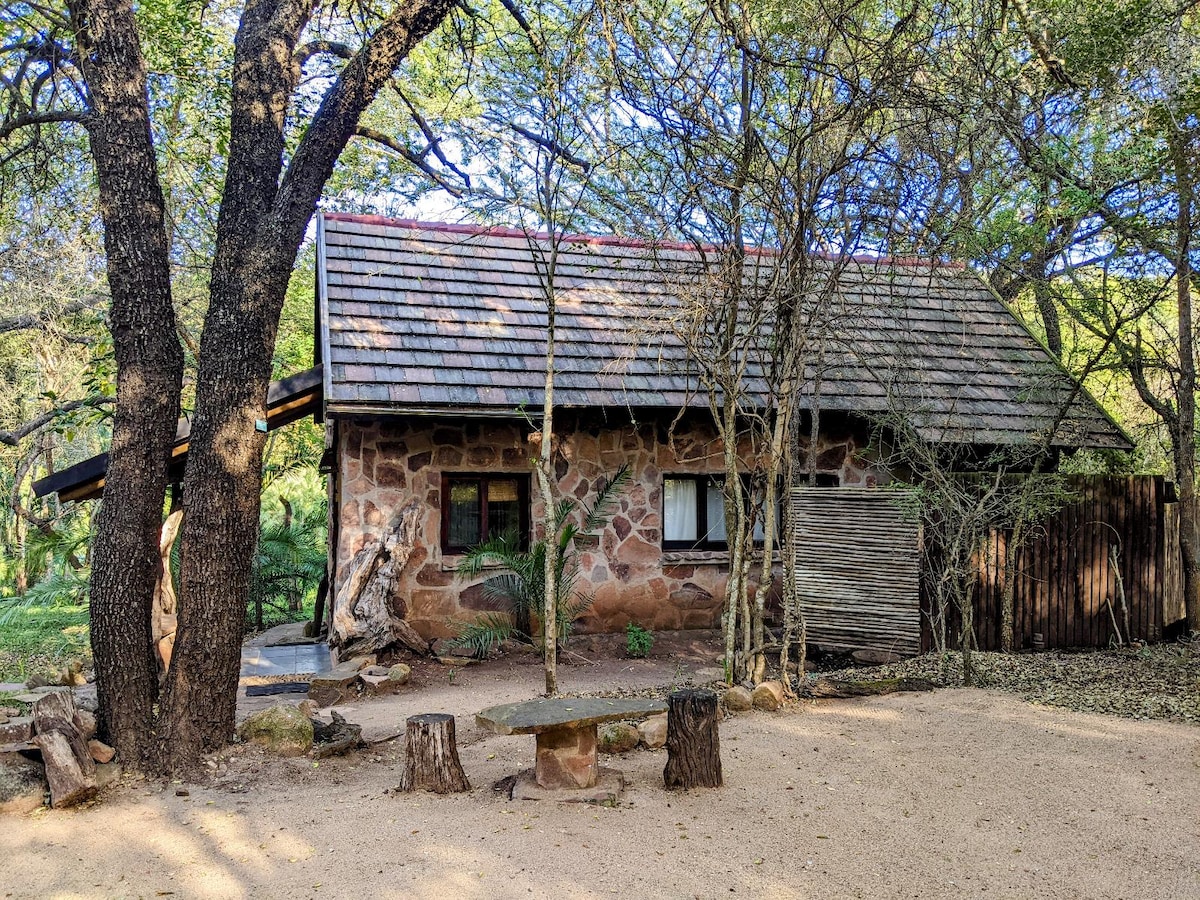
<point x="566" y="758"/>
<point x="606" y="790"/>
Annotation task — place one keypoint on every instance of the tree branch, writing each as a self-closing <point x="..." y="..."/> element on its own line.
<point x="14" y="437"/>
<point x="417" y="159"/>
<point x="27" y="120"/>
<point x="36" y="320"/>
<point x="307" y="51"/>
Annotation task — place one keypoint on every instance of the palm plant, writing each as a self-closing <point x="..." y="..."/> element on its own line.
<point x="288" y="563"/>
<point x="519" y="593"/>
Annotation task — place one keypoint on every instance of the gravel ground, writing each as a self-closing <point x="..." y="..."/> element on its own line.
<point x="1152" y="682"/>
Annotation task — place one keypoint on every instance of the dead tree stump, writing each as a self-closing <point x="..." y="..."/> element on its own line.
<point x="431" y="753"/>
<point x="693" y="745"/>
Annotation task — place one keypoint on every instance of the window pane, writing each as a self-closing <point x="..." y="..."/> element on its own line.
<point x="679" y="509"/>
<point x="464" y="513"/>
<point x="714" y="509"/>
<point x="504" y="508"/>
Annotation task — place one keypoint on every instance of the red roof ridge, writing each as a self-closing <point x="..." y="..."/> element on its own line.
<point x="611" y="240"/>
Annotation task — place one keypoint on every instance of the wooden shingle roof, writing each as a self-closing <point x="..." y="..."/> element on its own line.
<point x="433" y="318"/>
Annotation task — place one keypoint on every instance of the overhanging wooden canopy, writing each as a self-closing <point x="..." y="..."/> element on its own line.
<point x="288" y="399"/>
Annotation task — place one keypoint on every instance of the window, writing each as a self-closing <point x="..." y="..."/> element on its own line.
<point x="478" y="507"/>
<point x="694" y="513"/>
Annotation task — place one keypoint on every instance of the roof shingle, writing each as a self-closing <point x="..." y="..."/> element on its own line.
<point x="452" y="318"/>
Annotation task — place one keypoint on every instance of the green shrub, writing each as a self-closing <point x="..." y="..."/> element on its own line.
<point x="638" y="641"/>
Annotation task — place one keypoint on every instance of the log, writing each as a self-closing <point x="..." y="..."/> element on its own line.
<point x="837" y="689"/>
<point x="366" y="615"/>
<point x="70" y="770"/>
<point x="431" y="761"/>
<point x="693" y="744"/>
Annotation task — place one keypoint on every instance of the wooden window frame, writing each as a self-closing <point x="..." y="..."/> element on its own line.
<point x="482" y="479"/>
<point x="703" y="480"/>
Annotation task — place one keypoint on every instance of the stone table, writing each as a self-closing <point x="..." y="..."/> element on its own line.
<point x="565" y="764"/>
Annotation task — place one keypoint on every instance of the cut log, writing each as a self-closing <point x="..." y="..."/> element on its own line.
<point x="834" y="689"/>
<point x="70" y="770"/>
<point x="693" y="744"/>
<point x="367" y="615"/>
<point x="432" y="762"/>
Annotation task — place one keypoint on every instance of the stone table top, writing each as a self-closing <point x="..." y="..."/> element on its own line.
<point x="538" y="716"/>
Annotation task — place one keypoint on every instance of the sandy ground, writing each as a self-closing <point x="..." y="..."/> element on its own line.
<point x="958" y="793"/>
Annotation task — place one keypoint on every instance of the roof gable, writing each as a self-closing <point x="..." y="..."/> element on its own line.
<point x="419" y="317"/>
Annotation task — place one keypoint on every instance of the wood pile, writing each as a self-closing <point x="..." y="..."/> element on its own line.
<point x="64" y="737"/>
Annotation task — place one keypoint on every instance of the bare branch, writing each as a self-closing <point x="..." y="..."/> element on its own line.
<point x="416" y="159"/>
<point x="307" y="51"/>
<point x="31" y="119"/>
<point x="37" y="320"/>
<point x="553" y="146"/>
<point x="14" y="437"/>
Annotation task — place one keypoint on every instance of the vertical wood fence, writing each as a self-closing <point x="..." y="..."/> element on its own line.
<point x="1066" y="587"/>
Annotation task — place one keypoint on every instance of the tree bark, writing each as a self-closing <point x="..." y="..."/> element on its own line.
<point x="259" y="231"/>
<point x="149" y="375"/>
<point x="70" y="770"/>
<point x="431" y="756"/>
<point x="693" y="742"/>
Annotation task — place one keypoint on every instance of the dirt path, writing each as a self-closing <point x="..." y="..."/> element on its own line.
<point x="959" y="793"/>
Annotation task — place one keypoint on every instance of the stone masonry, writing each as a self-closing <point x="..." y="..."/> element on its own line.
<point x="383" y="463"/>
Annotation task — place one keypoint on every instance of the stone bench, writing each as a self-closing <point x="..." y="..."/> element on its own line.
<point x="565" y="763"/>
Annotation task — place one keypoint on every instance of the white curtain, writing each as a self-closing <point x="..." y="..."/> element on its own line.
<point x="715" y="510"/>
<point x="679" y="509"/>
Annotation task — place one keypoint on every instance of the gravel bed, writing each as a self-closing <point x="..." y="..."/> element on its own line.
<point x="1159" y="681"/>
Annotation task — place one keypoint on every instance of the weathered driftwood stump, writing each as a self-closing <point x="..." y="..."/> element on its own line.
<point x="432" y="762"/>
<point x="693" y="746"/>
<point x="70" y="769"/>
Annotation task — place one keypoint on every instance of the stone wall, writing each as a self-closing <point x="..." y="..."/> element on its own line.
<point x="383" y="463"/>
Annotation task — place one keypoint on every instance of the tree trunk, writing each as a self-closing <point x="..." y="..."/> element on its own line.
<point x="149" y="375"/>
<point x="693" y="744"/>
<point x="366" y="615"/>
<point x="1185" y="441"/>
<point x="261" y="224"/>
<point x="431" y="756"/>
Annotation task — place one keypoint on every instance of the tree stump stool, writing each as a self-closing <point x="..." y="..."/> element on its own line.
<point x="431" y="756"/>
<point x="693" y="746"/>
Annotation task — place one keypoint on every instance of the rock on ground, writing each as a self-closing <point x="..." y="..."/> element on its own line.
<point x="281" y="729"/>
<point x="617" y="737"/>
<point x="653" y="732"/>
<point x="738" y="699"/>
<point x="768" y="696"/>
<point x="22" y="784"/>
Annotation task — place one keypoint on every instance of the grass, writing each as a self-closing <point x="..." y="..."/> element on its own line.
<point x="40" y="640"/>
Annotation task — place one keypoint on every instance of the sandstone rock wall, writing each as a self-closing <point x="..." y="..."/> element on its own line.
<point x="385" y="462"/>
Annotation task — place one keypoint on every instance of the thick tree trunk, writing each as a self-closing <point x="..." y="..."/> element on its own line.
<point x="693" y="742"/>
<point x="431" y="756"/>
<point x="259" y="231"/>
<point x="1185" y="441"/>
<point x="149" y="374"/>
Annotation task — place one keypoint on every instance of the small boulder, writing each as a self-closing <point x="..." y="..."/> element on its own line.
<point x="457" y="662"/>
<point x="768" y="696"/>
<point x="400" y="673"/>
<point x="101" y="752"/>
<point x="617" y="737"/>
<point x="329" y="688"/>
<point x="378" y="680"/>
<point x="281" y="729"/>
<point x="875" y="657"/>
<point x="22" y="785"/>
<point x="738" y="699"/>
<point x="37" y="681"/>
<point x="85" y="721"/>
<point x="653" y="732"/>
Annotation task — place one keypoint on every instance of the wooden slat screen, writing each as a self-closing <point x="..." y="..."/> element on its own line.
<point x="1064" y="579"/>
<point x="857" y="560"/>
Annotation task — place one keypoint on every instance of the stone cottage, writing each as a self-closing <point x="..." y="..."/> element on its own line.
<point x="432" y="340"/>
